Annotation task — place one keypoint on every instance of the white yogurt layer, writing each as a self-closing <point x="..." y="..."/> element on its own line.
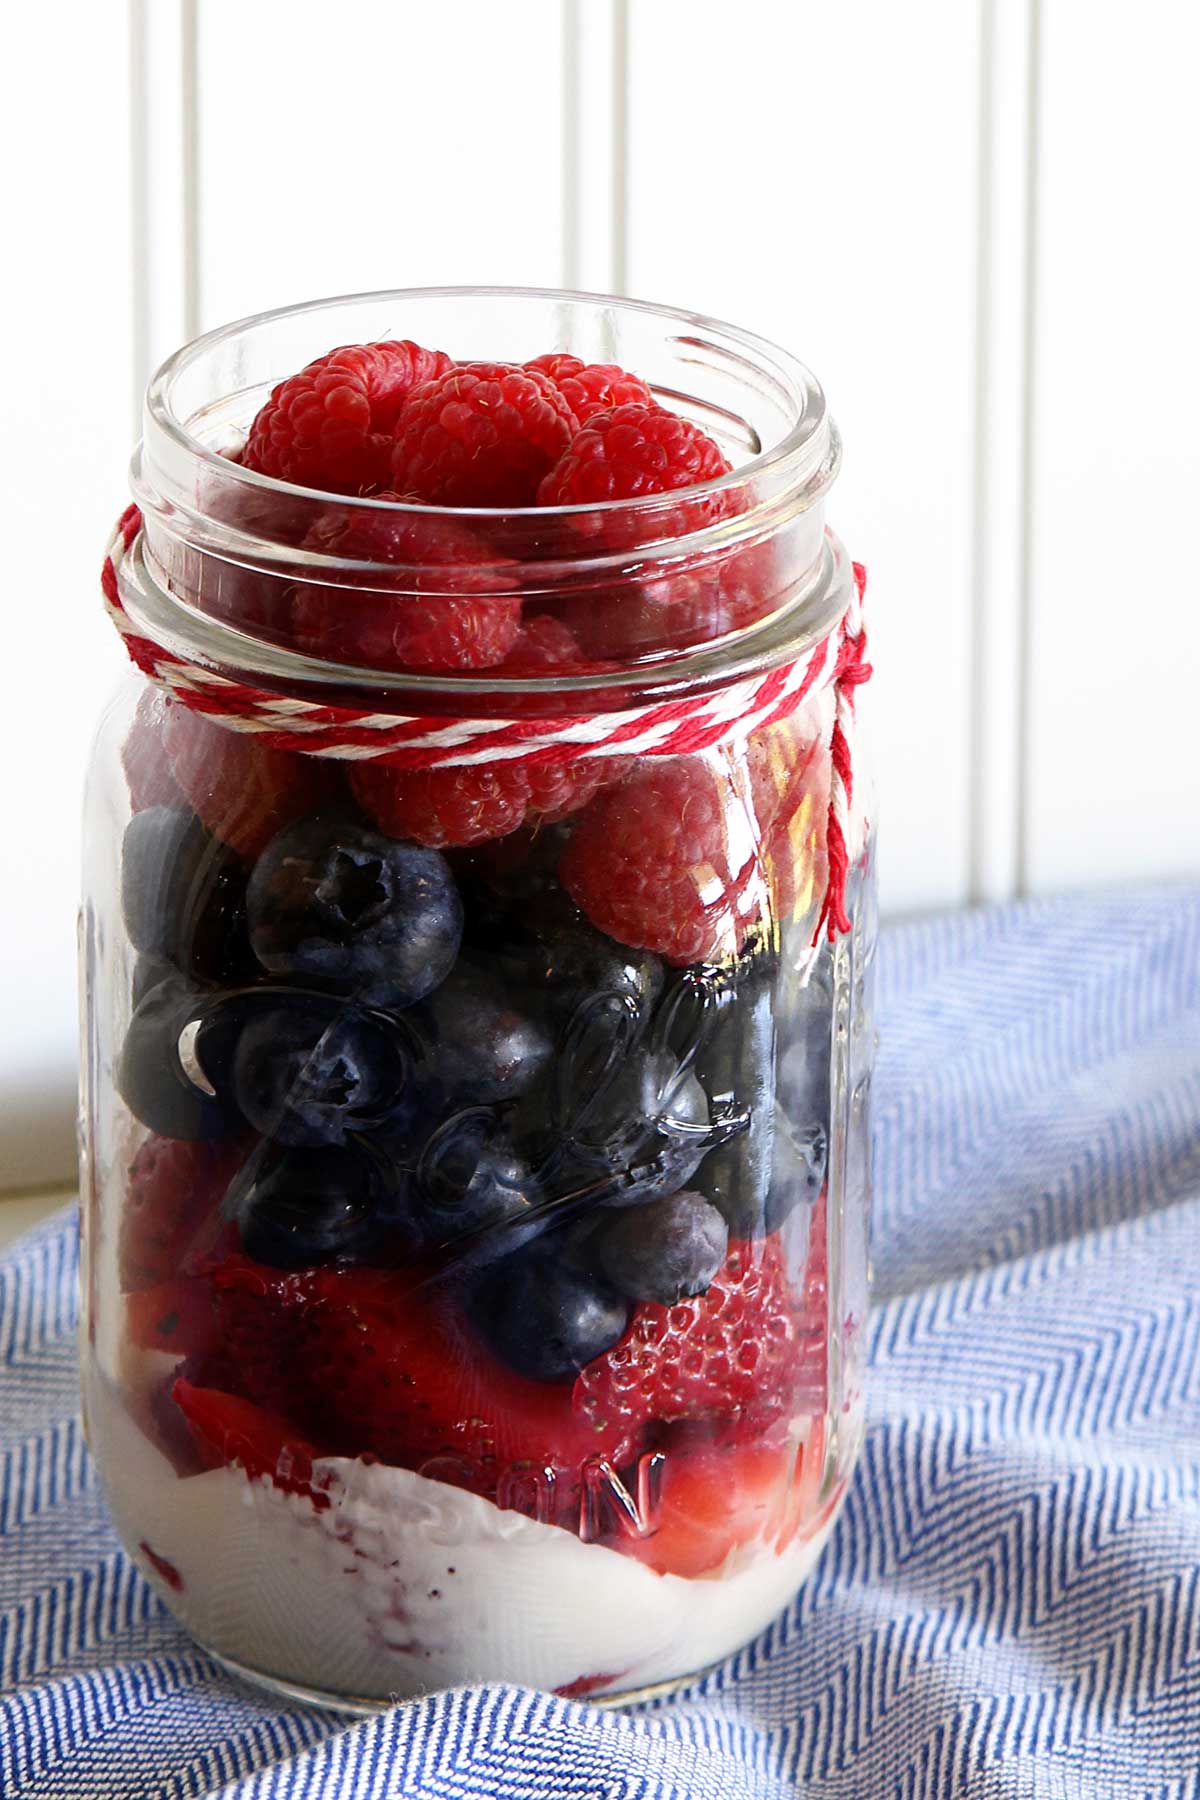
<point x="404" y="1584"/>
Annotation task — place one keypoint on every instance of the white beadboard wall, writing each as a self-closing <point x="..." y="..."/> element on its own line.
<point x="969" y="216"/>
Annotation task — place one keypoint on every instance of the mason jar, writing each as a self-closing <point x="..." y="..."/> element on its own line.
<point x="476" y="952"/>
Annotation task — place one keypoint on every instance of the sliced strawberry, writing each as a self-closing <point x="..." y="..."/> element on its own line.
<point x="172" y="1205"/>
<point x="372" y="1362"/>
<point x="713" y="1501"/>
<point x="227" y="1429"/>
<point x="175" y="1316"/>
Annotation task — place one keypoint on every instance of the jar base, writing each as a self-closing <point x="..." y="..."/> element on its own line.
<point x="357" y="1707"/>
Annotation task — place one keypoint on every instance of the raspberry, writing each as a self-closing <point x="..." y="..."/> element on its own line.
<point x="244" y="790"/>
<point x="673" y="611"/>
<point x="730" y="1360"/>
<point x="483" y="435"/>
<point x="171" y="1200"/>
<point x="668" y="862"/>
<point x="592" y="388"/>
<point x="144" y="756"/>
<point x="780" y="760"/>
<point x="330" y="426"/>
<point x="470" y="627"/>
<point x="478" y="801"/>
<point x="631" y="452"/>
<point x="542" y="643"/>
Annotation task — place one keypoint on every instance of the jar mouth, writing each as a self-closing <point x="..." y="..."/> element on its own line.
<point x="231" y="559"/>
<point x="801" y="452"/>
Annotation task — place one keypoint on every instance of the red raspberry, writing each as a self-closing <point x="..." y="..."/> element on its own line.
<point x="171" y="1200"/>
<point x="668" y="862"/>
<point x="788" y="768"/>
<point x="144" y="755"/>
<point x="731" y="1360"/>
<point x="673" y="611"/>
<point x="467" y="621"/>
<point x="482" y="435"/>
<point x="631" y="452"/>
<point x="330" y="426"/>
<point x="542" y="643"/>
<point x="592" y="388"/>
<point x="470" y="804"/>
<point x="780" y="759"/>
<point x="243" y="789"/>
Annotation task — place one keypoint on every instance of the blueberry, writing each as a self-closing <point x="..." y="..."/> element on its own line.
<point x="478" y="1047"/>
<point x="737" y="1066"/>
<point x="149" y="971"/>
<point x="571" y="963"/>
<point x="663" y="1251"/>
<point x="798" y="1172"/>
<point x="310" y="1071"/>
<point x="183" y="894"/>
<point x="806" y="1055"/>
<point x="544" y="1318"/>
<point x="174" y="1068"/>
<point x="297" y="1208"/>
<point x="472" y="1178"/>
<point x="332" y="900"/>
<point x="643" y="1128"/>
<point x="506" y="882"/>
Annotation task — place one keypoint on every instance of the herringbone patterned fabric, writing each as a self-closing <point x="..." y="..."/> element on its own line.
<point x="1011" y="1603"/>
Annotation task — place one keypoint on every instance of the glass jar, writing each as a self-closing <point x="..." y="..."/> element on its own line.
<point x="477" y="1052"/>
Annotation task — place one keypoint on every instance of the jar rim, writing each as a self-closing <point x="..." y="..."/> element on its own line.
<point x="186" y="632"/>
<point x="802" y="452"/>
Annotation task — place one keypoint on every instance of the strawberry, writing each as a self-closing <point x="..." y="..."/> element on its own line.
<point x="376" y="1362"/>
<point x="711" y="1501"/>
<point x="227" y="1429"/>
<point x="175" y="1316"/>
<point x="172" y="1200"/>
<point x="728" y="1365"/>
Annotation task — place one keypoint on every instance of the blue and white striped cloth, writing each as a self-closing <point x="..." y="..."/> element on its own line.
<point x="1011" y="1603"/>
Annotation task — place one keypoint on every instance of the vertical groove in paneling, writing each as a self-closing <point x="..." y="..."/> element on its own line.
<point x="139" y="207"/>
<point x="620" y="147"/>
<point x="189" y="120"/>
<point x="1029" y="449"/>
<point x="162" y="183"/>
<point x="594" y="64"/>
<point x="1005" y="328"/>
<point x="977" y="716"/>
<point x="572" y="126"/>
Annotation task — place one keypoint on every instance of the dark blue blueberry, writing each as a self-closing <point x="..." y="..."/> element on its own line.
<point x="572" y="963"/>
<point x="509" y="882"/>
<point x="544" y="1318"/>
<point x="641" y="1128"/>
<point x="332" y="900"/>
<point x="478" y="1048"/>
<point x="737" y="1067"/>
<point x="150" y="971"/>
<point x="174" y="1071"/>
<point x="298" y="1208"/>
<point x="471" y="1178"/>
<point x="183" y="894"/>
<point x="665" y="1250"/>
<point x="806" y="1054"/>
<point x="312" y="1071"/>
<point x="799" y="1163"/>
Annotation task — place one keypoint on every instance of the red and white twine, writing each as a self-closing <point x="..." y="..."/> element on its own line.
<point x="670" y="728"/>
